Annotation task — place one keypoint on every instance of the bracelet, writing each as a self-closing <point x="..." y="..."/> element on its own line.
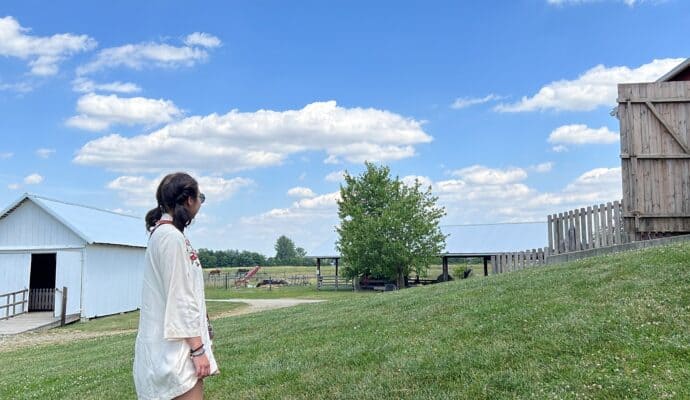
<point x="199" y="354"/>
<point x="197" y="349"/>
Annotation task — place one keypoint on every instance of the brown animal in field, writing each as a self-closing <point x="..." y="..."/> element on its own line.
<point x="214" y="272"/>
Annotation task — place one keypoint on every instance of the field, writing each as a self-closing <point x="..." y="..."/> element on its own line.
<point x="611" y="327"/>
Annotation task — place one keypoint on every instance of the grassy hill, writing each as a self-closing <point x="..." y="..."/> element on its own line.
<point x="609" y="327"/>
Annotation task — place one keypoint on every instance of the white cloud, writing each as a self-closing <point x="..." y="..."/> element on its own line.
<point x="83" y="85"/>
<point x="244" y="140"/>
<point x="331" y="159"/>
<point x="6" y="155"/>
<point x="543" y="167"/>
<point x="300" y="191"/>
<point x="33" y="179"/>
<point x="202" y="39"/>
<point x="150" y="54"/>
<point x="582" y="134"/>
<point x="45" y="153"/>
<point x="596" y="87"/>
<point x="43" y="53"/>
<point x="13" y="186"/>
<point x="310" y="222"/>
<point x="559" y="149"/>
<point x="141" y="191"/>
<point x="20" y="87"/>
<point x="335" y="176"/>
<point x="486" y="200"/>
<point x="409" y="180"/>
<point x="98" y="112"/>
<point x="483" y="175"/>
<point x="462" y="102"/>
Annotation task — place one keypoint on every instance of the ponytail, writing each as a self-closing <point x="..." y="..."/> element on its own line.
<point x="172" y="194"/>
<point x="152" y="217"/>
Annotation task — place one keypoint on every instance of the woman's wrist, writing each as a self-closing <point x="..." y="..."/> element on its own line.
<point x="200" y="352"/>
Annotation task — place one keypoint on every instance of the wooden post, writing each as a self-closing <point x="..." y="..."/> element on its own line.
<point x="494" y="265"/>
<point x="549" y="222"/>
<point x="609" y="223"/>
<point x="617" y="221"/>
<point x="486" y="267"/>
<point x="578" y="230"/>
<point x="63" y="313"/>
<point x="590" y="238"/>
<point x="445" y="269"/>
<point x="583" y="229"/>
<point x="318" y="266"/>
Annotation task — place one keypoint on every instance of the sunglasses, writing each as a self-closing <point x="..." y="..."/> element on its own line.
<point x="202" y="198"/>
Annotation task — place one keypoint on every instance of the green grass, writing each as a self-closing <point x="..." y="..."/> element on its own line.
<point x="612" y="327"/>
<point x="130" y="320"/>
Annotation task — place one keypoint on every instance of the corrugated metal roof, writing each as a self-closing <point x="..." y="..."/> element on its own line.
<point x="669" y="76"/>
<point x="94" y="225"/>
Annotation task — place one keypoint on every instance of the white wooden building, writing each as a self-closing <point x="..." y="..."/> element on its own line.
<point x="97" y="254"/>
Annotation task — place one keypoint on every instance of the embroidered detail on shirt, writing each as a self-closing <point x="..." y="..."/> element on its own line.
<point x="192" y="254"/>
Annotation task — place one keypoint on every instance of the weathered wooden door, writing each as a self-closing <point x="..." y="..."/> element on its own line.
<point x="655" y="157"/>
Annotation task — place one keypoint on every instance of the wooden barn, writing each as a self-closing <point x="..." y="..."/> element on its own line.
<point x="47" y="244"/>
<point x="655" y="155"/>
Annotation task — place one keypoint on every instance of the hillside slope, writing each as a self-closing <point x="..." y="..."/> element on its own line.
<point x="610" y="327"/>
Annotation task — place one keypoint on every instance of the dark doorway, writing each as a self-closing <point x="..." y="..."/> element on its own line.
<point x="42" y="282"/>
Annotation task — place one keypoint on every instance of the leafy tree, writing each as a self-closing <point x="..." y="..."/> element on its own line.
<point x="387" y="229"/>
<point x="285" y="249"/>
<point x="301" y="253"/>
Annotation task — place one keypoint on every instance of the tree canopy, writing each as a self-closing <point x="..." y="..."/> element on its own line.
<point x="285" y="248"/>
<point x="387" y="229"/>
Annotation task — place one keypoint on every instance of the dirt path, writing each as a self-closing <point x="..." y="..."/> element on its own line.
<point x="14" y="342"/>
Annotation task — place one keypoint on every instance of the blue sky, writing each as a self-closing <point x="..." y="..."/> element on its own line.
<point x="501" y="106"/>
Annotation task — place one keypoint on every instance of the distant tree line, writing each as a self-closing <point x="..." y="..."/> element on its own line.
<point x="286" y="254"/>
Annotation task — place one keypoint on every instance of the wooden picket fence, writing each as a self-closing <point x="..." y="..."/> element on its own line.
<point x="42" y="299"/>
<point x="587" y="228"/>
<point x="514" y="261"/>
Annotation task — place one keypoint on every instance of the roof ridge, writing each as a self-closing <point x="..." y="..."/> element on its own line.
<point x="79" y="205"/>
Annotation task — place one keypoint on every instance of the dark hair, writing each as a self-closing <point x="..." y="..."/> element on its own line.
<point x="172" y="193"/>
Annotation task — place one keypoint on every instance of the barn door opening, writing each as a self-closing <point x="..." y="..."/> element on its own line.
<point x="42" y="282"/>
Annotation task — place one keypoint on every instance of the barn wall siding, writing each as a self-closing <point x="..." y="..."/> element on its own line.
<point x="14" y="272"/>
<point x="30" y="227"/>
<point x="113" y="278"/>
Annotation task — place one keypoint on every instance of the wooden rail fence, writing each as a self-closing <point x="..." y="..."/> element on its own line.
<point x="586" y="228"/>
<point x="514" y="261"/>
<point x="333" y="282"/>
<point x="9" y="308"/>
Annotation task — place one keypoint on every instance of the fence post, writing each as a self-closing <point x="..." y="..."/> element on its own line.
<point x="549" y="221"/>
<point x="64" y="306"/>
<point x="617" y="221"/>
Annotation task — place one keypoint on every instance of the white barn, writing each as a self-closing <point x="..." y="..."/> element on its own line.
<point x="97" y="254"/>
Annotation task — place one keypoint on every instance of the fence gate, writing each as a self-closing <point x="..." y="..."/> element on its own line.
<point x="655" y="157"/>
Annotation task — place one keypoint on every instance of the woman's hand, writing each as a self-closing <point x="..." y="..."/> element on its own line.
<point x="202" y="366"/>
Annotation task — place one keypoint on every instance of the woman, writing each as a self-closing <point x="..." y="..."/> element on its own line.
<point x="173" y="353"/>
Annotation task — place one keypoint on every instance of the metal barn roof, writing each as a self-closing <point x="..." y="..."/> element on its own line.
<point x="93" y="225"/>
<point x="680" y="72"/>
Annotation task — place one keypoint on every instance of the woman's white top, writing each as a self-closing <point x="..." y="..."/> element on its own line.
<point x="173" y="308"/>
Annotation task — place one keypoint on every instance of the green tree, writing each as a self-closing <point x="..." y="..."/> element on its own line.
<point x="387" y="228"/>
<point x="301" y="253"/>
<point x="285" y="249"/>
